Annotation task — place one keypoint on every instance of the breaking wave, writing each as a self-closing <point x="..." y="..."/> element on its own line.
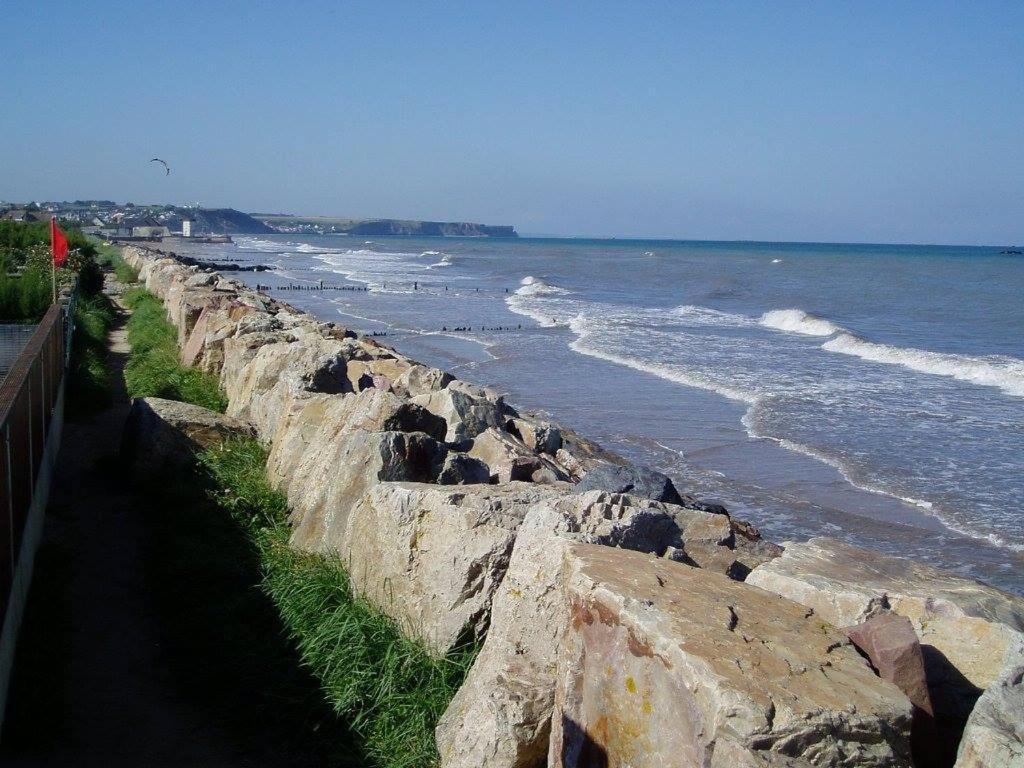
<point x="798" y="321"/>
<point x="1006" y="373"/>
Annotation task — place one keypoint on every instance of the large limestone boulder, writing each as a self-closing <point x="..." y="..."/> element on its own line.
<point x="204" y="348"/>
<point x="362" y="373"/>
<point x="971" y="634"/>
<point x="994" y="737"/>
<point x="665" y="664"/>
<point x="509" y="459"/>
<point x="466" y="415"/>
<point x="431" y="557"/>
<point x="164" y="435"/>
<point x="421" y="380"/>
<point x="324" y="487"/>
<point x="328" y="451"/>
<point x="537" y="435"/>
<point x="261" y="388"/>
<point x="501" y="715"/>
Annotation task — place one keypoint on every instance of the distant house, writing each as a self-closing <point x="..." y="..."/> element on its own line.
<point x="20" y="214"/>
<point x="186" y="226"/>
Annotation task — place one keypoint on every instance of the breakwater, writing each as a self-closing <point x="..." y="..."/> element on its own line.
<point x="618" y="617"/>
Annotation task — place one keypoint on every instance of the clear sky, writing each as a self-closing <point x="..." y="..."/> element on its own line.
<point x="887" y="122"/>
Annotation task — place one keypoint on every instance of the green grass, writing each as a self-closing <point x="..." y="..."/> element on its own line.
<point x="88" y="384"/>
<point x="153" y="368"/>
<point x="383" y="688"/>
<point x="109" y="256"/>
<point x="389" y="688"/>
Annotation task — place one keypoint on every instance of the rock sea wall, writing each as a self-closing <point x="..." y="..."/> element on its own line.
<point x="620" y="621"/>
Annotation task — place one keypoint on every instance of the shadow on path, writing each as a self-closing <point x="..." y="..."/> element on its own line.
<point x="146" y="641"/>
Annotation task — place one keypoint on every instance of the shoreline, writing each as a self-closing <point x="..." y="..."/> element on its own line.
<point x="352" y="480"/>
<point x="863" y="506"/>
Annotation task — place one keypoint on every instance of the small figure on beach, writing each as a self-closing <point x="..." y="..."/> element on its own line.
<point x="416" y="286"/>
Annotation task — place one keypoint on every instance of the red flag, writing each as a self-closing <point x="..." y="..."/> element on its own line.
<point x="58" y="244"/>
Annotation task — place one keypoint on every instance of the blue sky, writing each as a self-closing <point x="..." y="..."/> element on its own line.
<point x="888" y="122"/>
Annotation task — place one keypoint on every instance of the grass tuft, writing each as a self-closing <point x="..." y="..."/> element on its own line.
<point x="153" y="368"/>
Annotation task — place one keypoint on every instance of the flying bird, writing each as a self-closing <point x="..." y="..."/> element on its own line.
<point x="167" y="168"/>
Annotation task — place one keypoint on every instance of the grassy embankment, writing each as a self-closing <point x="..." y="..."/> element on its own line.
<point x="382" y="685"/>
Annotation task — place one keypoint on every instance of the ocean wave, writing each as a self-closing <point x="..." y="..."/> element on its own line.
<point x="696" y="315"/>
<point x="446" y="260"/>
<point x="258" y="244"/>
<point x="1006" y="373"/>
<point x="798" y="321"/>
<point x="431" y="253"/>
<point x="534" y="286"/>
<point x="308" y="248"/>
<point x="587" y="327"/>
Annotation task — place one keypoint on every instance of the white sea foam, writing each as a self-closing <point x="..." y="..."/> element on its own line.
<point x="798" y="321"/>
<point x="587" y="327"/>
<point x="695" y="315"/>
<point x="776" y="261"/>
<point x="534" y="286"/>
<point x="1006" y="373"/>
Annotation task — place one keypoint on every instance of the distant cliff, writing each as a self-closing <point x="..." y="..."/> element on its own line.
<point x="430" y="228"/>
<point x="382" y="227"/>
<point x="219" y="221"/>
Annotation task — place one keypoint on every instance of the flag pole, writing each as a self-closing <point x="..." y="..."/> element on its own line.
<point x="53" y="261"/>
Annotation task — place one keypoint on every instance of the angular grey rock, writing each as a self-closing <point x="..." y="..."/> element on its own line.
<point x="467" y="416"/>
<point x="463" y="469"/>
<point x="164" y="435"/>
<point x="537" y="435"/>
<point x="636" y="481"/>
<point x="994" y="737"/>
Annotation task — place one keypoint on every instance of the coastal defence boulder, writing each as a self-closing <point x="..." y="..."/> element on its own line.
<point x="638" y="481"/>
<point x="262" y="372"/>
<point x="510" y="459"/>
<point x="665" y="664"/>
<point x="204" y="348"/>
<point x="971" y="634"/>
<point x="164" y="435"/>
<point x="466" y="415"/>
<point x="329" y="451"/>
<point x="501" y="715"/>
<point x="431" y="557"/>
<point x="994" y="736"/>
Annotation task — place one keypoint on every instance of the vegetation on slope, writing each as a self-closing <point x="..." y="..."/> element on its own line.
<point x="88" y="384"/>
<point x="382" y="685"/>
<point x="153" y="368"/>
<point x="390" y="689"/>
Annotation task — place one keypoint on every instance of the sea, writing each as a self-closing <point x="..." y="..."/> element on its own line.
<point x="869" y="392"/>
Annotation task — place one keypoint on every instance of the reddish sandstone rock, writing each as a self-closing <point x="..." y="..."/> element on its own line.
<point x="891" y="644"/>
<point x="663" y="664"/>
